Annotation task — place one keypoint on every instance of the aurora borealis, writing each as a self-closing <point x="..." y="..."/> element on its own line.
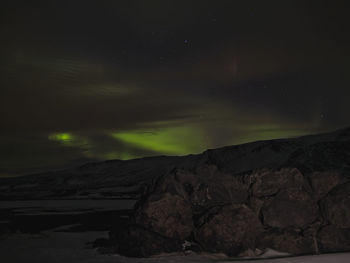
<point x="94" y="80"/>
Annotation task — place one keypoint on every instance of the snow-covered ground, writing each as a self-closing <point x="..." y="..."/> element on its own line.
<point x="52" y="247"/>
<point x="55" y="245"/>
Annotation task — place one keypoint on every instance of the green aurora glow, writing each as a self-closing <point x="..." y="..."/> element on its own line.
<point x="165" y="138"/>
<point x="172" y="141"/>
<point x="62" y="137"/>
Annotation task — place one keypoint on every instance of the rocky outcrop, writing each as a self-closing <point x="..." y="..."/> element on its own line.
<point x="269" y="183"/>
<point x="169" y="215"/>
<point x="290" y="208"/>
<point x="214" y="211"/>
<point x="333" y="239"/>
<point x="231" y="230"/>
<point x="337" y="205"/>
<point x="323" y="182"/>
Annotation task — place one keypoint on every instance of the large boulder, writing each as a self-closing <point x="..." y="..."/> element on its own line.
<point x="167" y="214"/>
<point x="267" y="182"/>
<point x="290" y="208"/>
<point x="333" y="239"/>
<point x="337" y="206"/>
<point x="323" y="182"/>
<point x="207" y="187"/>
<point x="239" y="215"/>
<point x="232" y="230"/>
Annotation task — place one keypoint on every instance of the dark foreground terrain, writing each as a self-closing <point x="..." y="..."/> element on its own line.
<point x="289" y="195"/>
<point x="81" y="215"/>
<point x="39" y="236"/>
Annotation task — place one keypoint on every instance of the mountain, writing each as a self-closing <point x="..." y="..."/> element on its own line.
<point x="132" y="178"/>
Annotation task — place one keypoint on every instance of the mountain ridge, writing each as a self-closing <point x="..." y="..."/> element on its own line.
<point x="130" y="178"/>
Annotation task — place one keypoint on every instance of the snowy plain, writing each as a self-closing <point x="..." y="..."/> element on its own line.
<point x="27" y="207"/>
<point x="59" y="247"/>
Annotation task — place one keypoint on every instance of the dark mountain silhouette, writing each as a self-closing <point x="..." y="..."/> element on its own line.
<point x="131" y="178"/>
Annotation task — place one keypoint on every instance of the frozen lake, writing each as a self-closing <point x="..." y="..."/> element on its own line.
<point x="66" y="206"/>
<point x="39" y="215"/>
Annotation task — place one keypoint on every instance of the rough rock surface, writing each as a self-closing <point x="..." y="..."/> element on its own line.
<point x="210" y="210"/>
<point x="323" y="182"/>
<point x="268" y="183"/>
<point x="205" y="190"/>
<point x="337" y="205"/>
<point x="333" y="239"/>
<point x="231" y="230"/>
<point x="170" y="216"/>
<point x="290" y="208"/>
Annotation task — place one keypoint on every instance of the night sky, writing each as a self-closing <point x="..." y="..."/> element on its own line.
<point x="93" y="80"/>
